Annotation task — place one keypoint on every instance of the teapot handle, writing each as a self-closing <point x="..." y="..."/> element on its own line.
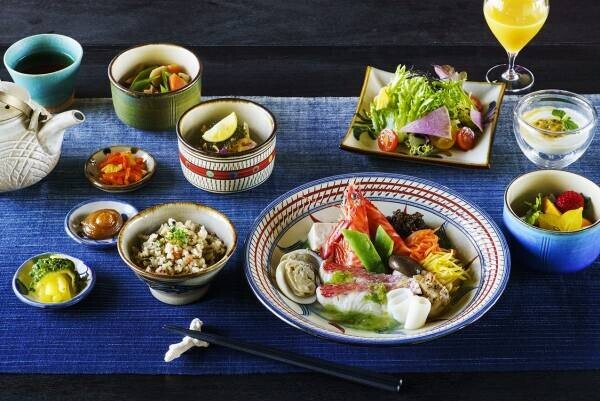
<point x="35" y="117"/>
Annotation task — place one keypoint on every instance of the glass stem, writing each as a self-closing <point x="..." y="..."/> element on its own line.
<point x="511" y="74"/>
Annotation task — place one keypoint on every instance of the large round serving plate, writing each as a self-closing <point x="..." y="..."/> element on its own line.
<point x="285" y="223"/>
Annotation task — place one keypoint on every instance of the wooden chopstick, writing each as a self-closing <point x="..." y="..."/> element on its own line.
<point x="357" y="375"/>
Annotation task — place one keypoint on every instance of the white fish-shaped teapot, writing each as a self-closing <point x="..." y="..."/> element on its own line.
<point x="30" y="138"/>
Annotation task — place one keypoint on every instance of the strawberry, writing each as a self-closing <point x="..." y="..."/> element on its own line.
<point x="569" y="200"/>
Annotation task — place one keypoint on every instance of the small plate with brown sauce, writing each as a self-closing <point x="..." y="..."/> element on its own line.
<point x="97" y="222"/>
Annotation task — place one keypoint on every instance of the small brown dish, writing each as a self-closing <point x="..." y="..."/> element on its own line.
<point x="92" y="168"/>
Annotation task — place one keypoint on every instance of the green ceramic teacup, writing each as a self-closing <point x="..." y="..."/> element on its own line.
<point x="156" y="111"/>
<point x="49" y="83"/>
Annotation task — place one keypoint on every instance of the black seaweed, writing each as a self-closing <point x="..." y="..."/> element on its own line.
<point x="406" y="223"/>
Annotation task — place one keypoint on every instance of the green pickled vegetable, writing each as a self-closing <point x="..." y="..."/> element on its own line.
<point x="361" y="245"/>
<point x="383" y="243"/>
<point x="50" y="264"/>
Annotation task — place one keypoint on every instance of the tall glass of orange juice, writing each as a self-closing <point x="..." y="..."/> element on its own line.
<point x="514" y="23"/>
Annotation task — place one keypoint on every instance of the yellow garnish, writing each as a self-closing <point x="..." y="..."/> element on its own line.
<point x="549" y="207"/>
<point x="570" y="220"/>
<point x="55" y="287"/>
<point x="382" y="99"/>
<point x="445" y="266"/>
<point x="111" y="168"/>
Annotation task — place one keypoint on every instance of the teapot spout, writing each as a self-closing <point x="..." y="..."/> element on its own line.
<point x="51" y="134"/>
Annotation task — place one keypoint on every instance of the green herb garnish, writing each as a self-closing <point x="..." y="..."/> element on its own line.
<point x="377" y="293"/>
<point x="340" y="277"/>
<point x="361" y="321"/>
<point x="534" y="211"/>
<point x="566" y="120"/>
<point x="177" y="236"/>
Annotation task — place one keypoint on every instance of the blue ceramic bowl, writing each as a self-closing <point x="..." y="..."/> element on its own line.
<point x="544" y="250"/>
<point x="53" y="90"/>
<point x="73" y="220"/>
<point x="20" y="289"/>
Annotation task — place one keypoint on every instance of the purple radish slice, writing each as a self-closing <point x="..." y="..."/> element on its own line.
<point x="477" y="118"/>
<point x="436" y="123"/>
<point x="444" y="71"/>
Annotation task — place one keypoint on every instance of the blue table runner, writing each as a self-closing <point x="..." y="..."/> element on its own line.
<point x="541" y="322"/>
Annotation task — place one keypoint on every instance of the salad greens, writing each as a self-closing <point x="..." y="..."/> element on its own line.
<point x="410" y="96"/>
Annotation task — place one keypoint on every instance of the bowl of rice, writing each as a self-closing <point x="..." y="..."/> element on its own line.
<point x="177" y="249"/>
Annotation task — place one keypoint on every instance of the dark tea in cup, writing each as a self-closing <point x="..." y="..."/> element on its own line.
<point x="43" y="62"/>
<point x="46" y="65"/>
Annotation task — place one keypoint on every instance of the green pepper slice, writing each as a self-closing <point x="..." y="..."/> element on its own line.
<point x="383" y="243"/>
<point x="361" y="245"/>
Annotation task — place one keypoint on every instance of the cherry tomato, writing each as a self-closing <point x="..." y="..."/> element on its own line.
<point x="465" y="138"/>
<point x="477" y="103"/>
<point x="387" y="140"/>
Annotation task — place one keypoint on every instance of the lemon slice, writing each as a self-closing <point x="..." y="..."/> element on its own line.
<point x="222" y="130"/>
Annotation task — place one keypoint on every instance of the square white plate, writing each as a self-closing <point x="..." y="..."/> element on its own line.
<point x="490" y="94"/>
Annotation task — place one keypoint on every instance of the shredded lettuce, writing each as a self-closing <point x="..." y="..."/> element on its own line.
<point x="418" y="145"/>
<point x="410" y="95"/>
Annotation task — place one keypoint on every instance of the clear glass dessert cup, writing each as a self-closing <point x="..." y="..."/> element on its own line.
<point x="554" y="149"/>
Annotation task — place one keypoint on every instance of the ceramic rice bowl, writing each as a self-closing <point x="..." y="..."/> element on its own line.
<point x="183" y="288"/>
<point x="234" y="172"/>
<point x="156" y="111"/>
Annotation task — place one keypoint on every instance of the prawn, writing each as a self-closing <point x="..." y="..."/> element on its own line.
<point x="354" y="217"/>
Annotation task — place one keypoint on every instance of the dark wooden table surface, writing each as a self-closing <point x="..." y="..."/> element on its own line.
<point x="309" y="48"/>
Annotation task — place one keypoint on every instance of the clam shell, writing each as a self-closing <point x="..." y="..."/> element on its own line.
<point x="303" y="255"/>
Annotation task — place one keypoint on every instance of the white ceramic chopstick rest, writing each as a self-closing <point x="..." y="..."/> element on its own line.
<point x="176" y="350"/>
<point x="407" y="308"/>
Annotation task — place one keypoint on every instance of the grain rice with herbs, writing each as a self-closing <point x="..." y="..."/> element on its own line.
<point x="179" y="248"/>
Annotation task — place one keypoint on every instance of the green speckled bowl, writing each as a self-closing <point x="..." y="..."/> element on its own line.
<point x="158" y="111"/>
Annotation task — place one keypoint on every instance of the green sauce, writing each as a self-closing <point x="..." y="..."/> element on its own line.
<point x="377" y="293"/>
<point x="358" y="320"/>
<point x="341" y="277"/>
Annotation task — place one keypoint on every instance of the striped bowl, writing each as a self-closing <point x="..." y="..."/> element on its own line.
<point x="285" y="223"/>
<point x="227" y="173"/>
